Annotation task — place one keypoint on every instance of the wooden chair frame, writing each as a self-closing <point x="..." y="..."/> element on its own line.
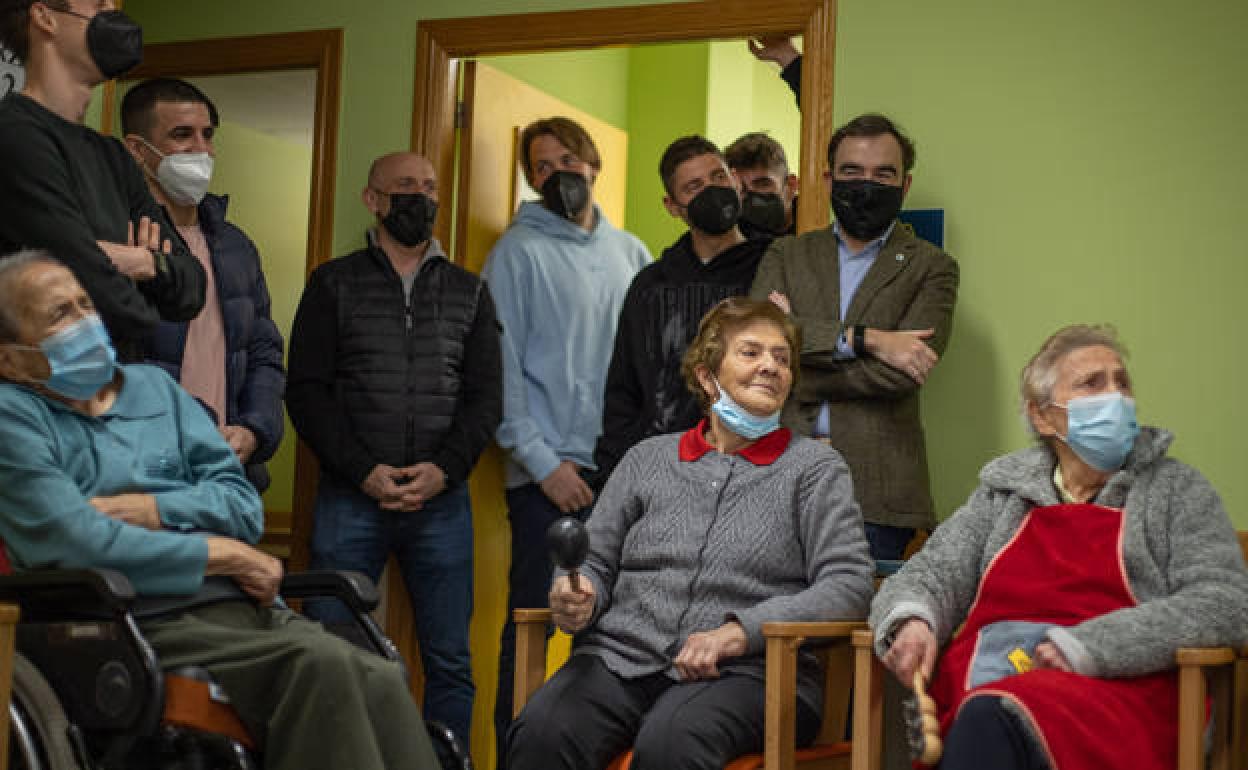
<point x="782" y="643"/>
<point x="1203" y="672"/>
<point x="1239" y="714"/>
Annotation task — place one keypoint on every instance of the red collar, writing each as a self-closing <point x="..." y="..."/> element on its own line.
<point x="764" y="451"/>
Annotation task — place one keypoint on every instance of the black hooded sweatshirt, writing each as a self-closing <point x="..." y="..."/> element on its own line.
<point x="646" y="394"/>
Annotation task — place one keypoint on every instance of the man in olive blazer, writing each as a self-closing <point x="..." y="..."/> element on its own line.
<point x="875" y="303"/>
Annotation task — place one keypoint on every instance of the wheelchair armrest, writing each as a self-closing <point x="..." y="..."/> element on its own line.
<point x="64" y="593"/>
<point x="351" y="588"/>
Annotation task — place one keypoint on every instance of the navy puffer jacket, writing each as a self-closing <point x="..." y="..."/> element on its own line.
<point x="254" y="375"/>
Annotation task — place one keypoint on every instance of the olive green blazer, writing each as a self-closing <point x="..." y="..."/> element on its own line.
<point x="874" y="408"/>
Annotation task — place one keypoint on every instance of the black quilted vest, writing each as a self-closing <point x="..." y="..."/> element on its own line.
<point x="400" y="359"/>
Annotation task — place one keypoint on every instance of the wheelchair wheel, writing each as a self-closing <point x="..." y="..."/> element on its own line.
<point x="39" y="731"/>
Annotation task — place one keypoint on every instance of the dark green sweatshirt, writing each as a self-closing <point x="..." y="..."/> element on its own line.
<point x="63" y="187"/>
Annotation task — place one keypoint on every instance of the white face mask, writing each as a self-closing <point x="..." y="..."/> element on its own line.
<point x="184" y="176"/>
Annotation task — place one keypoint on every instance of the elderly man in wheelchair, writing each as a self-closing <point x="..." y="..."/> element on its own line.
<point x="111" y="473"/>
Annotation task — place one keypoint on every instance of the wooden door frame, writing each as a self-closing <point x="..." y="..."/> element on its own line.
<point x="441" y="43"/>
<point x="320" y="50"/>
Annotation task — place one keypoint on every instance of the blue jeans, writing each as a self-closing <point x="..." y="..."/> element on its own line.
<point x="433" y="548"/>
<point x="531" y="513"/>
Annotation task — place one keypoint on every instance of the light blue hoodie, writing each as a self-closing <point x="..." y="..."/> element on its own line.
<point x="558" y="290"/>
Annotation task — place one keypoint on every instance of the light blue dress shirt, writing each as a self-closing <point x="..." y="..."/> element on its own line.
<point x="853" y="268"/>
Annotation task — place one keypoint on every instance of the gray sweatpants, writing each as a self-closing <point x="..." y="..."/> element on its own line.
<point x="310" y="699"/>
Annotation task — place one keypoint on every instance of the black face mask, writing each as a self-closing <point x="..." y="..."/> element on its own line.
<point x="763" y="212"/>
<point x="566" y="193"/>
<point x="114" y="41"/>
<point x="715" y="210"/>
<point x="411" y="217"/>
<point x="864" y="209"/>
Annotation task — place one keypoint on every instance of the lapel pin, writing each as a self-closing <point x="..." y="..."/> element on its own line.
<point x="901" y="257"/>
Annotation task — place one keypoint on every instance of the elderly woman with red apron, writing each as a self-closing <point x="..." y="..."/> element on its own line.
<point x="1061" y="590"/>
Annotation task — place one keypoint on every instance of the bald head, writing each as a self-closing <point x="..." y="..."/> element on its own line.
<point x="14" y="291"/>
<point x="403" y="172"/>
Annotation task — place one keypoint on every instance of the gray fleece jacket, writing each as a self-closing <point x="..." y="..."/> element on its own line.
<point x="680" y="546"/>
<point x="1182" y="560"/>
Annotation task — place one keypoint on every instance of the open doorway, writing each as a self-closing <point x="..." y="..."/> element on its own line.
<point x="445" y="49"/>
<point x="443" y="45"/>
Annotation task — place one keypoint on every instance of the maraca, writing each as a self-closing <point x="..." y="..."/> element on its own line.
<point x="922" y="727"/>
<point x="568" y="542"/>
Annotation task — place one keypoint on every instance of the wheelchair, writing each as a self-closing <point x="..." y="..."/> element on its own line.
<point x="89" y="693"/>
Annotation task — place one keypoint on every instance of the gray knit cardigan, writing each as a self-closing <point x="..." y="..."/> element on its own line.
<point x="679" y="547"/>
<point x="1182" y="559"/>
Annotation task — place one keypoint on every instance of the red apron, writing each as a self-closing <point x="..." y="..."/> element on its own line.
<point x="1063" y="566"/>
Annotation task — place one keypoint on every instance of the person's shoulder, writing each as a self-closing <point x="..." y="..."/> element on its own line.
<point x="25" y="134"/>
<point x="19" y="399"/>
<point x="148" y="376"/>
<point x="813" y="244"/>
<point x="213" y="215"/>
<point x="25" y="419"/>
<point x="456" y="274"/>
<point x="16" y="115"/>
<point x="663" y="440"/>
<point x="816" y="454"/>
<point x="660" y="449"/>
<point x="345" y="265"/>
<point x="521" y="239"/>
<point x="1180" y="477"/>
<point x="634" y="247"/>
<point x="904" y="238"/>
<point x="628" y="239"/>
<point x="652" y="274"/>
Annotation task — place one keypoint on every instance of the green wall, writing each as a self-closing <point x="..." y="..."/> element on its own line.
<point x="667" y="93"/>
<point x="269" y="181"/>
<point x="1089" y="159"/>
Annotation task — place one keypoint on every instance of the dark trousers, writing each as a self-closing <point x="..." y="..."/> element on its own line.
<point x="887" y="543"/>
<point x="985" y="734"/>
<point x="586" y="715"/>
<point x="433" y="548"/>
<point x="531" y="513"/>
<point x="312" y="700"/>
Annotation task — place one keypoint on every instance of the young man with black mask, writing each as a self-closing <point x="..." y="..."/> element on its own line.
<point x="68" y="189"/>
<point x="875" y="303"/>
<point x="395" y="384"/>
<point x="768" y="188"/>
<point x="559" y="274"/>
<point x="646" y="392"/>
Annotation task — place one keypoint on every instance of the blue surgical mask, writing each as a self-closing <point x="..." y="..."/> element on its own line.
<point x="1101" y="429"/>
<point x="739" y="420"/>
<point x="81" y="358"/>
